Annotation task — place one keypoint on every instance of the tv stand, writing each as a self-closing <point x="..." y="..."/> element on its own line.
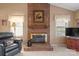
<point x="72" y="43"/>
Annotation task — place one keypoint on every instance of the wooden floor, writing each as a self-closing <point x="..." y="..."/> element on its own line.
<point x="38" y="47"/>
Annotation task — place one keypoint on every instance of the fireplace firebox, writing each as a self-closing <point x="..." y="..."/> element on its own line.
<point x="39" y="38"/>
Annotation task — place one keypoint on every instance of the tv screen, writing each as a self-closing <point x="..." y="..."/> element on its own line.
<point x="72" y="32"/>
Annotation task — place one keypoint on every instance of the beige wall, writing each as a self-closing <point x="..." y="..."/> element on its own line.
<point x="57" y="11"/>
<point x="13" y="9"/>
<point x="26" y="23"/>
<point x="8" y="10"/>
<point x="76" y="17"/>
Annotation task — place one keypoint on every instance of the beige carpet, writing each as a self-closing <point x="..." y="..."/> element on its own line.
<point x="38" y="47"/>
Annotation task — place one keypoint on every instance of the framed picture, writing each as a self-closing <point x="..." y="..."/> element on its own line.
<point x="38" y="16"/>
<point x="4" y="22"/>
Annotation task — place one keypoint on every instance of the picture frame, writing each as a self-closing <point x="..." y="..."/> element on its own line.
<point x="4" y="22"/>
<point x="38" y="16"/>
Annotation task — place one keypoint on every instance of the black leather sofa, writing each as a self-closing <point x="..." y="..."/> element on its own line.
<point x="8" y="45"/>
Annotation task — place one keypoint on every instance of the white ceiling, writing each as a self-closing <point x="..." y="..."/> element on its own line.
<point x="69" y="6"/>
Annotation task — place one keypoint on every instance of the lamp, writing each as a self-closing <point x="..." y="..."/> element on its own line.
<point x="14" y="26"/>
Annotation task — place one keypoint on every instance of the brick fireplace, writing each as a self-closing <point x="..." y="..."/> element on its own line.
<point x="39" y="31"/>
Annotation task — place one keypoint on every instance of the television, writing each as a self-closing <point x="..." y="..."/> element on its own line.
<point x="72" y="32"/>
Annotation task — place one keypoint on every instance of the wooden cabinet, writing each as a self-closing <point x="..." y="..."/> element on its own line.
<point x="72" y="43"/>
<point x="68" y="42"/>
<point x="77" y="45"/>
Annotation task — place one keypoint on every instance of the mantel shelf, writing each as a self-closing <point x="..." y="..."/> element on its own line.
<point x="38" y="26"/>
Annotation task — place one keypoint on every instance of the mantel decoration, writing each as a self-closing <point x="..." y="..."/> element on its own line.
<point x="38" y="16"/>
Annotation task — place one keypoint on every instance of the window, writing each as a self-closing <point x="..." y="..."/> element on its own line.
<point x="61" y="21"/>
<point x="16" y="25"/>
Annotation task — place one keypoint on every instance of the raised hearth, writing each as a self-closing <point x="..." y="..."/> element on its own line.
<point x="39" y="47"/>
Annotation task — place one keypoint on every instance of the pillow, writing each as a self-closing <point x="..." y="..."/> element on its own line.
<point x="8" y="42"/>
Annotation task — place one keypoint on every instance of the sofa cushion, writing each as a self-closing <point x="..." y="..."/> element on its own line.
<point x="8" y="42"/>
<point x="11" y="47"/>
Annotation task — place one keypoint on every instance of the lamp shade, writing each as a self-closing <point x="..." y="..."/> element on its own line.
<point x="13" y="24"/>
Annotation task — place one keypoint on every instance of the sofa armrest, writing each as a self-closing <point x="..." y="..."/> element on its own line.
<point x="19" y="42"/>
<point x="2" y="50"/>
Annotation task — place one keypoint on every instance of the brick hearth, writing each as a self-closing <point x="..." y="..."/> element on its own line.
<point x="39" y="47"/>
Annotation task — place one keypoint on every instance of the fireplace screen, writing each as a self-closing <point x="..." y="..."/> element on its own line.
<point x="39" y="38"/>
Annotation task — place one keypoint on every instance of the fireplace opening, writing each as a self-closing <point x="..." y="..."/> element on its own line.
<point x="39" y="38"/>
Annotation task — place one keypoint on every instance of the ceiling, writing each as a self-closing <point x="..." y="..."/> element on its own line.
<point x="69" y="6"/>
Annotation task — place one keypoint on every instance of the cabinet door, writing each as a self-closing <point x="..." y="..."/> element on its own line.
<point x="73" y="43"/>
<point x="68" y="42"/>
<point x="77" y="45"/>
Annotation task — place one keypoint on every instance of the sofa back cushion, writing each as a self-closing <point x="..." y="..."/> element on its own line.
<point x="5" y="35"/>
<point x="6" y="38"/>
